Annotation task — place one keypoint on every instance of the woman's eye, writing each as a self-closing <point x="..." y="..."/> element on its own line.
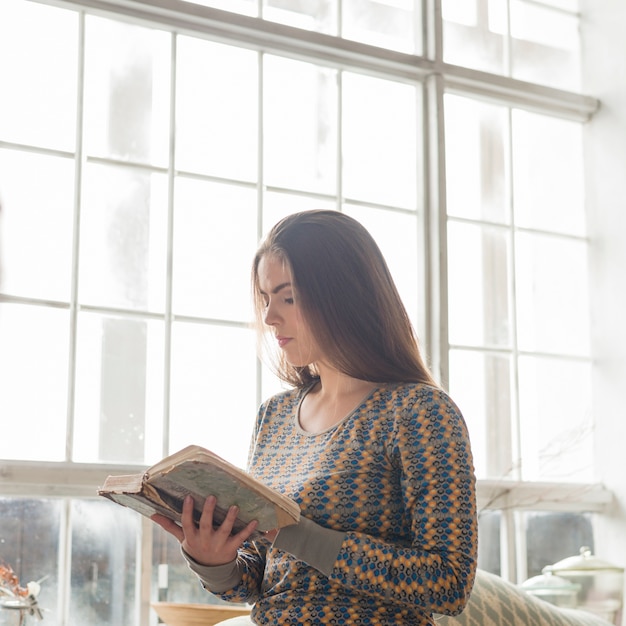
<point x="289" y="300"/>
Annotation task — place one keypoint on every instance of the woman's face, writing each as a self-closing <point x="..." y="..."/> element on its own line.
<point x="282" y="314"/>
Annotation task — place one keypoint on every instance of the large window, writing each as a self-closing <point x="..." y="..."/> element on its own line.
<point x="136" y="179"/>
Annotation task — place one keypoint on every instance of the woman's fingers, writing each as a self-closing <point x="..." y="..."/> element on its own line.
<point x="204" y="542"/>
<point x="208" y="509"/>
<point x="226" y="527"/>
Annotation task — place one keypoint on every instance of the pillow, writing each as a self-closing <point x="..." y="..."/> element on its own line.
<point x="496" y="602"/>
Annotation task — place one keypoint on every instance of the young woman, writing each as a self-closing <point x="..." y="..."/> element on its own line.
<point x="374" y="452"/>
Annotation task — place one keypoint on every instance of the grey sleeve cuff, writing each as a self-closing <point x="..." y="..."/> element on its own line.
<point x="215" y="578"/>
<point x="309" y="542"/>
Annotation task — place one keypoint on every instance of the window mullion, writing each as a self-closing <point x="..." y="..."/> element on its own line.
<point x="79" y="162"/>
<point x="436" y="322"/>
<point x="168" y="316"/>
<point x="260" y="192"/>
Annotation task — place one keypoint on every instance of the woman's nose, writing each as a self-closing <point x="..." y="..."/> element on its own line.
<point x="270" y="316"/>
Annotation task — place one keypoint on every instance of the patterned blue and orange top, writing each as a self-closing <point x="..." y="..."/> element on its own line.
<point x="389" y="529"/>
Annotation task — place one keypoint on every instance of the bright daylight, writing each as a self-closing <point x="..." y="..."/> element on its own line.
<point x="311" y="312"/>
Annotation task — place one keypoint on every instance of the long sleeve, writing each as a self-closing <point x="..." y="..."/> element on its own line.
<point x="436" y="571"/>
<point x="237" y="581"/>
<point x="388" y="534"/>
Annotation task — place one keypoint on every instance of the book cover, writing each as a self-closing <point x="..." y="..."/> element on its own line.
<point x="200" y="473"/>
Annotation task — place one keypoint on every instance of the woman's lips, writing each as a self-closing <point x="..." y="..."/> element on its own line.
<point x="283" y="341"/>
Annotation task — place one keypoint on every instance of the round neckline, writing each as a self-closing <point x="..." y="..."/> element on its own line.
<point x="308" y="433"/>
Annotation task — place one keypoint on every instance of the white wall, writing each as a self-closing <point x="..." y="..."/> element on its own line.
<point x="604" y="75"/>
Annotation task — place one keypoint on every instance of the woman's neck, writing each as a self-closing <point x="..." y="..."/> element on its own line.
<point x="334" y="397"/>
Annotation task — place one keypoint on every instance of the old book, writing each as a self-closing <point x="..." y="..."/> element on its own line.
<point x="199" y="472"/>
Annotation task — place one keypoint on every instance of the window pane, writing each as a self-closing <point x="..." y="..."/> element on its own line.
<point x="556" y="424"/>
<point x="315" y="15"/>
<point x="545" y="45"/>
<point x="38" y="103"/>
<point x="104" y="564"/>
<point x="215" y="238"/>
<point x="119" y="389"/>
<point x="103" y="557"/>
<point x="37" y="194"/>
<point x="542" y="45"/>
<point x="279" y="205"/>
<point x="547" y="543"/>
<point x="33" y="381"/>
<point x="548" y="173"/>
<point x="300" y="125"/>
<point x="126" y="91"/>
<point x="472" y="37"/>
<point x="552" y="295"/>
<point x="390" y="24"/>
<point x="476" y="140"/>
<point x="29" y="540"/>
<point x="209" y="404"/>
<point x="478" y="285"/>
<point x="123" y="238"/>
<point x="485" y="399"/>
<point x="489" y="541"/>
<point x="396" y="235"/>
<point x="216" y="109"/>
<point x="379" y="141"/>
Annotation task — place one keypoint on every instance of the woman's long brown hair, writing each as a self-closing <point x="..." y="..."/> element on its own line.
<point x="348" y="298"/>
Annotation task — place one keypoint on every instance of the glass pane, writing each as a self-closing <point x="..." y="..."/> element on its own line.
<point x="29" y="544"/>
<point x="379" y="141"/>
<point x="123" y="238"/>
<point x="556" y="424"/>
<point x="391" y="24"/>
<point x="476" y="144"/>
<point x="215" y="237"/>
<point x="485" y="399"/>
<point x="33" y="381"/>
<point x="460" y="11"/>
<point x="127" y="91"/>
<point x="37" y="194"/>
<point x="315" y="15"/>
<point x="489" y="541"/>
<point x="473" y="34"/>
<point x="552" y="295"/>
<point x="211" y="367"/>
<point x="119" y="390"/>
<point x="216" y="109"/>
<point x="396" y="235"/>
<point x="279" y="205"/>
<point x="38" y="103"/>
<point x="104" y="564"/>
<point x="478" y="285"/>
<point x="546" y="543"/>
<point x="545" y="45"/>
<point x="548" y="173"/>
<point x="300" y="125"/>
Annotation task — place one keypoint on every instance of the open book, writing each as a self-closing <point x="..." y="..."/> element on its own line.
<point x="201" y="473"/>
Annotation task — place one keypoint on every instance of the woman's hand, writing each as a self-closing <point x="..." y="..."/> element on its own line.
<point x="203" y="543"/>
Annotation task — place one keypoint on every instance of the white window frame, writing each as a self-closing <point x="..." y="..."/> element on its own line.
<point x="32" y="479"/>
